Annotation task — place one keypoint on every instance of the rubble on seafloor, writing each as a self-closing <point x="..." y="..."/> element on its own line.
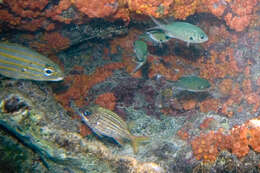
<point x="38" y="135"/>
<point x="49" y="139"/>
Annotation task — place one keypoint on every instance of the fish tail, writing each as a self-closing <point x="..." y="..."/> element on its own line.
<point x="136" y="140"/>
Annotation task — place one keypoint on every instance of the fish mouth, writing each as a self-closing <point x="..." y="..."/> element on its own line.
<point x="206" y="39"/>
<point x="58" y="79"/>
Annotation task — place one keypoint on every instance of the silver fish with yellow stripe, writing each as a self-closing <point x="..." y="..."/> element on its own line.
<point x="107" y="123"/>
<point x="19" y="62"/>
<point x="182" y="30"/>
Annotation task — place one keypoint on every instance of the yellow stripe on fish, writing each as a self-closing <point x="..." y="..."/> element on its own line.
<point x="21" y="53"/>
<point x="113" y="117"/>
<point x="16" y="64"/>
<point x="19" y="62"/>
<point x="14" y="70"/>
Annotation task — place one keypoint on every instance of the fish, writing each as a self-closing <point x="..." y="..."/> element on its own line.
<point x="19" y="62"/>
<point x="192" y="84"/>
<point x="141" y="52"/>
<point x="156" y="36"/>
<point x="184" y="31"/>
<point x="104" y="122"/>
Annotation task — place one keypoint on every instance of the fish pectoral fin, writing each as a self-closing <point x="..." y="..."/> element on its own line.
<point x="154" y="28"/>
<point x="166" y="21"/>
<point x="138" y="67"/>
<point x="135" y="140"/>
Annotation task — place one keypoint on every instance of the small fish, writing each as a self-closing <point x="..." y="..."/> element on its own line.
<point x="157" y="37"/>
<point x="19" y="62"/>
<point x="192" y="83"/>
<point x="107" y="123"/>
<point x="183" y="31"/>
<point x="141" y="52"/>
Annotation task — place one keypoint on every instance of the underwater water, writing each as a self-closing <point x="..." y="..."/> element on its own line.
<point x="130" y="87"/>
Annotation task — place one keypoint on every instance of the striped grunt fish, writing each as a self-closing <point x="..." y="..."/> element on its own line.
<point x="20" y="62"/>
<point x="107" y="123"/>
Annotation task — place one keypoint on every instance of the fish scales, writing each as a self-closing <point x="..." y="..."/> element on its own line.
<point x="22" y="54"/>
<point x="192" y="83"/>
<point x="109" y="125"/>
<point x="23" y="63"/>
<point x="183" y="31"/>
<point x="113" y="117"/>
<point x="141" y="52"/>
<point x="99" y="122"/>
<point x="12" y="66"/>
<point x="116" y="127"/>
<point x="105" y="129"/>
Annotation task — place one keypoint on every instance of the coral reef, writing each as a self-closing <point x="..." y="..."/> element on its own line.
<point x="239" y="14"/>
<point x="208" y="146"/>
<point x="183" y="9"/>
<point x="80" y="84"/>
<point x="51" y="43"/>
<point x="96" y="9"/>
<point x="33" y="15"/>
<point x="153" y="8"/>
<point x="214" y="131"/>
<point x="106" y="100"/>
<point x="52" y="135"/>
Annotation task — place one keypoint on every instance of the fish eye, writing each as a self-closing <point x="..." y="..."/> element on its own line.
<point x="86" y="113"/>
<point x="24" y="70"/>
<point x="202" y="37"/>
<point x="48" y="71"/>
<point x="191" y="38"/>
<point x="167" y="37"/>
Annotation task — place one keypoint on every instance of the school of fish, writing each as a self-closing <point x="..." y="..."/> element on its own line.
<point x="19" y="62"/>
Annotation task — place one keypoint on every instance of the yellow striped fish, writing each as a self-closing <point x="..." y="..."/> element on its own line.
<point x="107" y="123"/>
<point x="20" y="62"/>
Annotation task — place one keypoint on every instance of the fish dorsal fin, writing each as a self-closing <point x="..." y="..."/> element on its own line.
<point x="156" y="21"/>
